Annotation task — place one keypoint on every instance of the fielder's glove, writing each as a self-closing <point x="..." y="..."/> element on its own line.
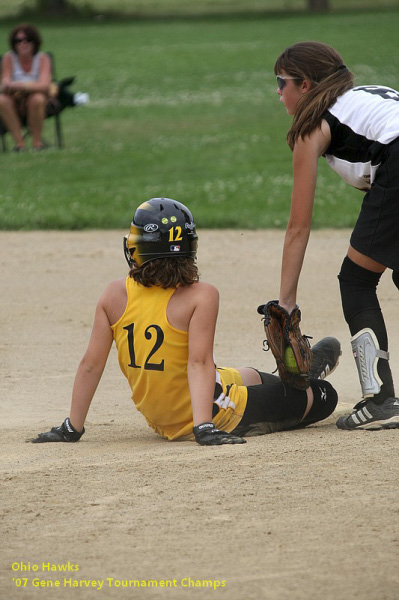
<point x="64" y="433"/>
<point x="290" y="348"/>
<point x="206" y="434"/>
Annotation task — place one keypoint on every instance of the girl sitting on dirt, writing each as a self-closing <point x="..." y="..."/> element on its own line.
<point x="163" y="321"/>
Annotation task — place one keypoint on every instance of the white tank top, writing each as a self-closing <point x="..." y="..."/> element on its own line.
<point x="18" y="73"/>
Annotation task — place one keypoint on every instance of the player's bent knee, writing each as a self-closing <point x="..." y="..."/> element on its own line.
<point x="358" y="288"/>
<point x="325" y="400"/>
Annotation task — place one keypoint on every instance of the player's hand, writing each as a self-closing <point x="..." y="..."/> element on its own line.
<point x="206" y="434"/>
<point x="64" y="433"/>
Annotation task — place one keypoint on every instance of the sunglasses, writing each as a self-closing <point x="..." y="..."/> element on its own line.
<point x="281" y="81"/>
<point x="19" y="40"/>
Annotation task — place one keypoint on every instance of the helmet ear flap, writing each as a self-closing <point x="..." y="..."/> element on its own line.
<point x="128" y="251"/>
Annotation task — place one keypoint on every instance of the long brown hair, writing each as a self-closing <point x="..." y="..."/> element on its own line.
<point x="323" y="66"/>
<point x="166" y="272"/>
<point x="31" y="32"/>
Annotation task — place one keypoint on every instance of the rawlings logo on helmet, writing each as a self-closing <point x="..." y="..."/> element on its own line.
<point x="151" y="227"/>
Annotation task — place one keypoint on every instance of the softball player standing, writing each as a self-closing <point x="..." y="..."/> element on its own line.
<point x="357" y="130"/>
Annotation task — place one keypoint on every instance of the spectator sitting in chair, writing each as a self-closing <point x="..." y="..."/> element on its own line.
<point x="25" y="85"/>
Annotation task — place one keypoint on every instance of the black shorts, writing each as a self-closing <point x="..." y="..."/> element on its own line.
<point x="376" y="233"/>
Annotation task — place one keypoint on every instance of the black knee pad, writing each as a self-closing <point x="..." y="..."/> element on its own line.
<point x="395" y="278"/>
<point x="325" y="400"/>
<point x="358" y="289"/>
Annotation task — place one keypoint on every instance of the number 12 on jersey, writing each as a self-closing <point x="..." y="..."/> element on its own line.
<point x="158" y="341"/>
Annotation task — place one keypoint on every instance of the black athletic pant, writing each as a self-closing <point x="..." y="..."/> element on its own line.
<point x="273" y="406"/>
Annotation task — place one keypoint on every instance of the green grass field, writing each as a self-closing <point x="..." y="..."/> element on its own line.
<point x="185" y="109"/>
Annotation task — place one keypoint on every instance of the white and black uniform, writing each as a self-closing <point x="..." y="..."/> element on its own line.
<point x="364" y="151"/>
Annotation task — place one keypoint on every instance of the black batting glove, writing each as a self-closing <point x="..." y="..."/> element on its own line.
<point x="206" y="434"/>
<point x="64" y="433"/>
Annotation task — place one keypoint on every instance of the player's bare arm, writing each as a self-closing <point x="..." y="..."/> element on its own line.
<point x="89" y="372"/>
<point x="200" y="366"/>
<point x="92" y="365"/>
<point x="305" y="157"/>
<point x="194" y="308"/>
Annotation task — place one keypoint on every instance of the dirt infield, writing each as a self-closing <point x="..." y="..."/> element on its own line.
<point x="311" y="514"/>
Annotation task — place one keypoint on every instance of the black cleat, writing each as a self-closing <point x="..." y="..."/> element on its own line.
<point x="326" y="355"/>
<point x="368" y="415"/>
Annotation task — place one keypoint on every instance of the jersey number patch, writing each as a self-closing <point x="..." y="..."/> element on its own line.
<point x="149" y="334"/>
<point x="379" y="90"/>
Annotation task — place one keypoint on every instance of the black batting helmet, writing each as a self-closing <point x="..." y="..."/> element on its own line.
<point x="161" y="228"/>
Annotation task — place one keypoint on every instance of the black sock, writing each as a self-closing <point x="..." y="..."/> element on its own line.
<point x="362" y="310"/>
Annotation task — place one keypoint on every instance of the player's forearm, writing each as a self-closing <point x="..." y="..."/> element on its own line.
<point x="293" y="255"/>
<point x="201" y="377"/>
<point x="85" y="385"/>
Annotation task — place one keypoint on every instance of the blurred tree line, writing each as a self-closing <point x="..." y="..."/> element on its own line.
<point x="63" y="7"/>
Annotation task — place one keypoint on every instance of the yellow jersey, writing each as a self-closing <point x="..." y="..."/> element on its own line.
<point x="153" y="357"/>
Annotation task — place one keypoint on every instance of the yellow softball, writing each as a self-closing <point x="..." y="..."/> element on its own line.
<point x="289" y="361"/>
